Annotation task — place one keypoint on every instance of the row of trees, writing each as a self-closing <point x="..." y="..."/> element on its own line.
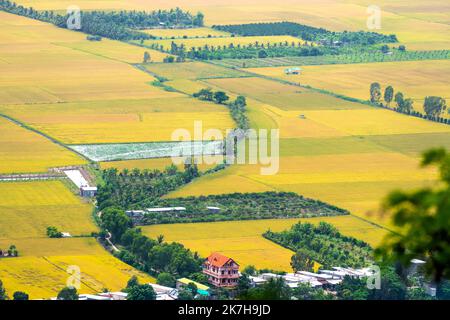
<point x="307" y="33"/>
<point x="149" y="255"/>
<point x="140" y="188"/>
<point x="237" y="107"/>
<point x="241" y="206"/>
<point x="238" y="51"/>
<point x="121" y="25"/>
<point x="433" y="106"/>
<point x="323" y="244"/>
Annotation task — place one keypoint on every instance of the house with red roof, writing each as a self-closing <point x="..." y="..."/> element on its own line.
<point x="221" y="270"/>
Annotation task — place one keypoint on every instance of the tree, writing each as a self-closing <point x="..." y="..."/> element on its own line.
<point x="132" y="282"/>
<point x="399" y="100"/>
<point x="52" y="232"/>
<point x="443" y="290"/>
<point x="147" y="57"/>
<point x="166" y="279"/>
<point x="262" y="54"/>
<point x="249" y="270"/>
<point x="68" y="293"/>
<point x="204" y="94"/>
<point x="115" y="221"/>
<point x="352" y="289"/>
<point x="220" y="97"/>
<point x="375" y="92"/>
<point x="274" y="289"/>
<point x="424" y="218"/>
<point x="3" y="295"/>
<point x="385" y="48"/>
<point x="192" y="287"/>
<point x="401" y="48"/>
<point x="300" y="261"/>
<point x="12" y="251"/>
<point x="185" y="294"/>
<point x="305" y="292"/>
<point x="391" y="287"/>
<point x="388" y="94"/>
<point x="19" y="295"/>
<point x="141" y="292"/>
<point x="434" y="106"/>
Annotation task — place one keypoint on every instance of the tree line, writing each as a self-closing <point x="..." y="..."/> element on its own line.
<point x="433" y="106"/>
<point x="237" y="107"/>
<point x="322" y="244"/>
<point x="307" y="33"/>
<point x="126" y="189"/>
<point x="122" y="25"/>
<point x="240" y="206"/>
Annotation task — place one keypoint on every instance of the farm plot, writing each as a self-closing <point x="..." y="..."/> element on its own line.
<point x="115" y="50"/>
<point x="130" y="151"/>
<point x="23" y="151"/>
<point x="121" y="121"/>
<point x="284" y="96"/>
<point x="415" y="79"/>
<point x="28" y="208"/>
<point x="192" y="71"/>
<point x="242" y="240"/>
<point x="35" y="66"/>
<point x="42" y="269"/>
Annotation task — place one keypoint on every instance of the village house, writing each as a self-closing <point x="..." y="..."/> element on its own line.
<point x="222" y="271"/>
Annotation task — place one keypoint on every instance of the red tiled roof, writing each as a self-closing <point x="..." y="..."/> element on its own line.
<point x="218" y="260"/>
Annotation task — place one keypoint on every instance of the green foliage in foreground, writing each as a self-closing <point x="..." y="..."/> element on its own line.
<point x="324" y="244"/>
<point x="424" y="218"/>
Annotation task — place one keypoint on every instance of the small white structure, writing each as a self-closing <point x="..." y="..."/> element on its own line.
<point x="114" y="295"/>
<point x="88" y="192"/>
<point x="168" y="209"/>
<point x="213" y="209"/>
<point x="295" y="70"/>
<point x="77" y="178"/>
<point x="66" y="235"/>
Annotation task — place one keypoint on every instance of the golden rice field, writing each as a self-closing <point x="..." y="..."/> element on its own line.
<point x="189" y="33"/>
<point x="42" y="269"/>
<point x="421" y="24"/>
<point x="22" y="151"/>
<point x="28" y="208"/>
<point x="121" y="120"/>
<point x="242" y="240"/>
<point x="223" y="41"/>
<point x="283" y="96"/>
<point x="340" y="155"/>
<point x="115" y="50"/>
<point x="34" y="66"/>
<point x="416" y="79"/>
<point x="192" y="71"/>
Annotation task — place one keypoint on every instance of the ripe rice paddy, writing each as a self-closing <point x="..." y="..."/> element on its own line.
<point x="242" y="240"/>
<point x="416" y="79"/>
<point x="24" y="151"/>
<point x="27" y="209"/>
